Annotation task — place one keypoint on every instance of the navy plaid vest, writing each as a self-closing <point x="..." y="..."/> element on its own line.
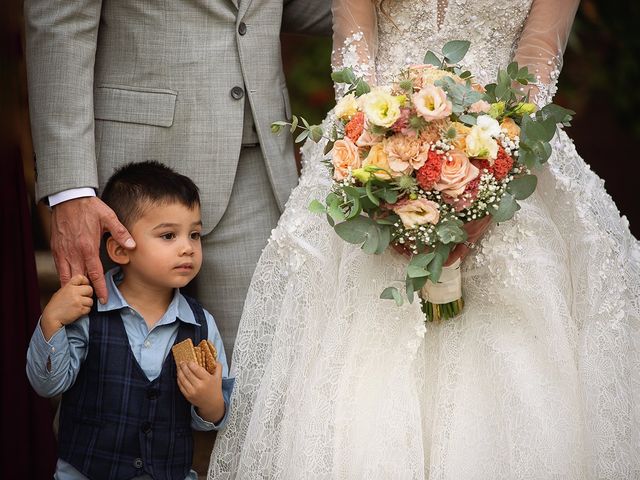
<point x="114" y="422"/>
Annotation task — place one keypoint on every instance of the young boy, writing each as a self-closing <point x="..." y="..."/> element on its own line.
<point x="127" y="410"/>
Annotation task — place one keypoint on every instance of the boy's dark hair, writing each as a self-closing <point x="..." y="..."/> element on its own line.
<point x="136" y="186"/>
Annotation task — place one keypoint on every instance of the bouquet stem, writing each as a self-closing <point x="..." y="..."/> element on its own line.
<point x="443" y="300"/>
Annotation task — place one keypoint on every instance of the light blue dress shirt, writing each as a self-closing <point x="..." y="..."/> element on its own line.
<point x="67" y="349"/>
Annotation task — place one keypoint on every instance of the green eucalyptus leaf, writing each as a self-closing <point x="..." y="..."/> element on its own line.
<point x="507" y="208"/>
<point x="450" y="232"/>
<point x="354" y="230"/>
<point x="415" y="271"/>
<point x="372" y="239"/>
<point x="302" y="137"/>
<point x="512" y="70"/>
<point x="294" y="123"/>
<point x="370" y="195"/>
<point x="317" y="207"/>
<point x="422" y="259"/>
<point x="468" y="119"/>
<point x="522" y="187"/>
<point x="440" y="255"/>
<point x="316" y="133"/>
<point x="455" y="50"/>
<point x="384" y="238"/>
<point x="432" y="59"/>
<point x="362" y="87"/>
<point x="392" y="293"/>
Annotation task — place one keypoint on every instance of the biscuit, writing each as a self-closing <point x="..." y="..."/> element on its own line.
<point x="198" y="351"/>
<point x="184" y="352"/>
<point x="214" y="352"/>
<point x="209" y="360"/>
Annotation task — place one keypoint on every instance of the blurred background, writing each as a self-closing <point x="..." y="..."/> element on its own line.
<point x="599" y="81"/>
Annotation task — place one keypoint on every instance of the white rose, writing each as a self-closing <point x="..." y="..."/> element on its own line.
<point x="480" y="142"/>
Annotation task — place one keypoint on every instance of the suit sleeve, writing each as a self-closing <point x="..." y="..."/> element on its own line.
<point x="311" y="17"/>
<point x="61" y="38"/>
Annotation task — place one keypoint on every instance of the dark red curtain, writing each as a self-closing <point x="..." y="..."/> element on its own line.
<point x="28" y="448"/>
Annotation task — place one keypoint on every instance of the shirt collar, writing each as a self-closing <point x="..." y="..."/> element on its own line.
<point x="178" y="308"/>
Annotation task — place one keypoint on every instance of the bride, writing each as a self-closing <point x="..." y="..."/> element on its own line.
<point x="539" y="377"/>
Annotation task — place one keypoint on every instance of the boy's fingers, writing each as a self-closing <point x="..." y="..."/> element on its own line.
<point x="79" y="280"/>
<point x="197" y="371"/>
<point x="87" y="301"/>
<point x="85" y="291"/>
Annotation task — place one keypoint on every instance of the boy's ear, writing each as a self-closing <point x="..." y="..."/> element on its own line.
<point x="117" y="253"/>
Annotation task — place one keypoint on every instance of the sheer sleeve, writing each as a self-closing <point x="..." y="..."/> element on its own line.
<point x="355" y="37"/>
<point x="542" y="44"/>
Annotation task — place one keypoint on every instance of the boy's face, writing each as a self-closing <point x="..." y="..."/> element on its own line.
<point x="168" y="251"/>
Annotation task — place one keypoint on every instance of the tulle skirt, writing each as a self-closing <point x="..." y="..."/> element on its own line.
<point x="539" y="378"/>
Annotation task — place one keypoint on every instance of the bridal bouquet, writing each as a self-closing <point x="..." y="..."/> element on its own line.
<point x="414" y="161"/>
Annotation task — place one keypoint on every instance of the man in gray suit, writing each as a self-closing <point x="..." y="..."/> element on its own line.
<point x="194" y="85"/>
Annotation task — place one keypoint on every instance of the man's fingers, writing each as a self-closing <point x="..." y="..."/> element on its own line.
<point x="118" y="231"/>
<point x="96" y="276"/>
<point x="63" y="268"/>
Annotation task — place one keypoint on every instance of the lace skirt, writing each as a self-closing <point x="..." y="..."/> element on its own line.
<point x="539" y="378"/>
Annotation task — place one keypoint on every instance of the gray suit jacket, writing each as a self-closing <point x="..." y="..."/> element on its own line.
<point x="115" y="81"/>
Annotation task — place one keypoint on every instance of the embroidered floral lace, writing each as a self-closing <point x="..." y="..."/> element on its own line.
<point x="539" y="378"/>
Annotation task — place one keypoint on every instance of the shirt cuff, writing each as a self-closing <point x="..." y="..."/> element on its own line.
<point x="46" y="353"/>
<point x="71" y="194"/>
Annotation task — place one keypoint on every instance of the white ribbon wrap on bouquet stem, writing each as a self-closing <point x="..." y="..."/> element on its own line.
<point x="449" y="286"/>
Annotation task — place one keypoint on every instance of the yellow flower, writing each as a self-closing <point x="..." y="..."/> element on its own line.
<point x="380" y="107"/>
<point x="525" y="108"/>
<point x="346" y="107"/>
<point x="461" y="133"/>
<point x="378" y="159"/>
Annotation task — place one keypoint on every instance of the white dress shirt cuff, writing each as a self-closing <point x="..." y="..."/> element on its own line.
<point x="70" y="194"/>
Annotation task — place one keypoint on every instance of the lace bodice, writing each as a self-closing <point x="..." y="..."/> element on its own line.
<point x="377" y="38"/>
<point x="406" y="32"/>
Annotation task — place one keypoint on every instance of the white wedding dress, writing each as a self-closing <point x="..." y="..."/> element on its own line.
<point x="539" y="378"/>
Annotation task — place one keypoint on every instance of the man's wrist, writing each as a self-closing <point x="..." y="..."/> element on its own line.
<point x="70" y="194"/>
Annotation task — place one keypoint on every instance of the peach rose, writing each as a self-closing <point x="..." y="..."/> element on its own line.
<point x="431" y="103"/>
<point x="345" y="158"/>
<point x="405" y="153"/>
<point x="417" y="212"/>
<point x="481" y="106"/>
<point x="368" y="139"/>
<point x="511" y="127"/>
<point x="456" y="173"/>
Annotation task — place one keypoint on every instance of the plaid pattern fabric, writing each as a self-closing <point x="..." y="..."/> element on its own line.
<point x="114" y="422"/>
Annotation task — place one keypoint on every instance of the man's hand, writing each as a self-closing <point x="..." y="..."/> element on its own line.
<point x="202" y="389"/>
<point x="67" y="305"/>
<point x="76" y="228"/>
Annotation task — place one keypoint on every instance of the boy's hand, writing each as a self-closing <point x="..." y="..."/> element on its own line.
<point x="67" y="305"/>
<point x="202" y="389"/>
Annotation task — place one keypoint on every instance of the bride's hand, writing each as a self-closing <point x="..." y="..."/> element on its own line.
<point x="475" y="230"/>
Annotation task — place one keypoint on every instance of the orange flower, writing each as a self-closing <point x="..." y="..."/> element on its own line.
<point x="354" y="128"/>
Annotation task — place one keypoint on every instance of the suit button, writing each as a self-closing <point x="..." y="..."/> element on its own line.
<point x="242" y="28"/>
<point x="137" y="463"/>
<point x="145" y="427"/>
<point x="237" y="93"/>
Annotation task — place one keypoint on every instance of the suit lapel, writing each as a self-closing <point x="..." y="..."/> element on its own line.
<point x="235" y="3"/>
<point x="243" y="7"/>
